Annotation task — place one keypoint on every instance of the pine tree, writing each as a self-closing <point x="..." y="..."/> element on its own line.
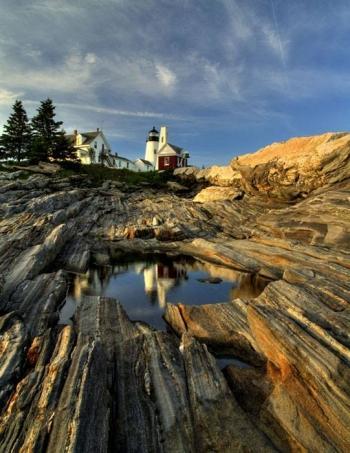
<point x="63" y="149"/>
<point x="49" y="141"/>
<point x="16" y="138"/>
<point x="38" y="150"/>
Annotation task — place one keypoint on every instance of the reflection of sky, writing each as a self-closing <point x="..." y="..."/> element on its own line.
<point x="128" y="287"/>
<point x="193" y="292"/>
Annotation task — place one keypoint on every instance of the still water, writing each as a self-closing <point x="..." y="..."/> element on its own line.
<point x="145" y="286"/>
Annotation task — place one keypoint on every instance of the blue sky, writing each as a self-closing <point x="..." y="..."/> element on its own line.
<point x="226" y="76"/>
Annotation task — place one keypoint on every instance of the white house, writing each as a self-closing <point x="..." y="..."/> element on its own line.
<point x="143" y="165"/>
<point x="92" y="147"/>
<point x="123" y="162"/>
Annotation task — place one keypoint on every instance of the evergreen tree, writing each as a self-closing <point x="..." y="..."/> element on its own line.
<point x="49" y="141"/>
<point x="63" y="149"/>
<point x="38" y="150"/>
<point x="16" y="138"/>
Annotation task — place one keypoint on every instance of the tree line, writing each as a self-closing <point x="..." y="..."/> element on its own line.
<point x="41" y="139"/>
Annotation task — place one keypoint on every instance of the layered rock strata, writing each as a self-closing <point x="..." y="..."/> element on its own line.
<point x="106" y="383"/>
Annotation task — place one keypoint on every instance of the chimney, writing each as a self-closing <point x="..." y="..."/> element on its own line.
<point x="75" y="132"/>
<point x="98" y="129"/>
<point x="163" y="136"/>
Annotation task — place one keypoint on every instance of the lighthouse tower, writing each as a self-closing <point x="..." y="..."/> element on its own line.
<point x="152" y="145"/>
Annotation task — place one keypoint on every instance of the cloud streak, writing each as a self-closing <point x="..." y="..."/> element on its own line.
<point x="111" y="111"/>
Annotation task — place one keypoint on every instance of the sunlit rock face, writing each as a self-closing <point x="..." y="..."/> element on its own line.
<point x="288" y="170"/>
<point x="223" y="176"/>
<point x="214" y="193"/>
<point x="294" y="168"/>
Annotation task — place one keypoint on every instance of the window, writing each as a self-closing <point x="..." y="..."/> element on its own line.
<point x="95" y="145"/>
<point x="127" y="165"/>
<point x="166" y="160"/>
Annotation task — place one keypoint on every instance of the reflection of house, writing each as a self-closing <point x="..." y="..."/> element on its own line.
<point x="162" y="154"/>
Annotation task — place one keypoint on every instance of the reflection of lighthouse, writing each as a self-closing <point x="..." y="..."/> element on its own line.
<point x="80" y="285"/>
<point x="159" y="279"/>
<point x="163" y="286"/>
<point x="167" y="278"/>
<point x="150" y="277"/>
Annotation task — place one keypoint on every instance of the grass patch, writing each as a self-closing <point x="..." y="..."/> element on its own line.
<point x="99" y="173"/>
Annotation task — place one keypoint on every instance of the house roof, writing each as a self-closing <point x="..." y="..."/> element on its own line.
<point x="71" y="138"/>
<point x="169" y="149"/>
<point x="146" y="162"/>
<point x="87" y="137"/>
<point x="122" y="158"/>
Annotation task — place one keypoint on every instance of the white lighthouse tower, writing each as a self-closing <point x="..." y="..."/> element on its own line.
<point x="152" y="145"/>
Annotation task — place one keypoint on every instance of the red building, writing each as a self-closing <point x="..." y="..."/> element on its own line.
<point x="171" y="156"/>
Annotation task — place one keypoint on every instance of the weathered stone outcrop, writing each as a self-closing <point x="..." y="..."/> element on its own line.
<point x="288" y="170"/>
<point x="296" y="167"/>
<point x="215" y="175"/>
<point x="13" y="339"/>
<point x="124" y="386"/>
<point x="45" y="168"/>
<point x="304" y="382"/>
<point x="214" y="193"/>
<point x="106" y="383"/>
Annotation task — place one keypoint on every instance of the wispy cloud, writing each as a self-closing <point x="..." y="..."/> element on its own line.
<point x="166" y="77"/>
<point x="60" y="7"/>
<point x="7" y="97"/>
<point x="276" y="42"/>
<point x="74" y="72"/>
<point x="110" y="111"/>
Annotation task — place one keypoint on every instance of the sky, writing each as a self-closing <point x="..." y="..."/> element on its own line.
<point x="226" y="76"/>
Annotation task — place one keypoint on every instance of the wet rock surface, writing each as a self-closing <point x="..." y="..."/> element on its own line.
<point x="106" y="383"/>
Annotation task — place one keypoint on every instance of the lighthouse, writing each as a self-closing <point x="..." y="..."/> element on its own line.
<point x="152" y="145"/>
<point x="162" y="154"/>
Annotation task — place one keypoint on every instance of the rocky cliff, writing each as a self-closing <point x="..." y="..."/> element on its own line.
<point x="106" y="383"/>
<point x="289" y="170"/>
